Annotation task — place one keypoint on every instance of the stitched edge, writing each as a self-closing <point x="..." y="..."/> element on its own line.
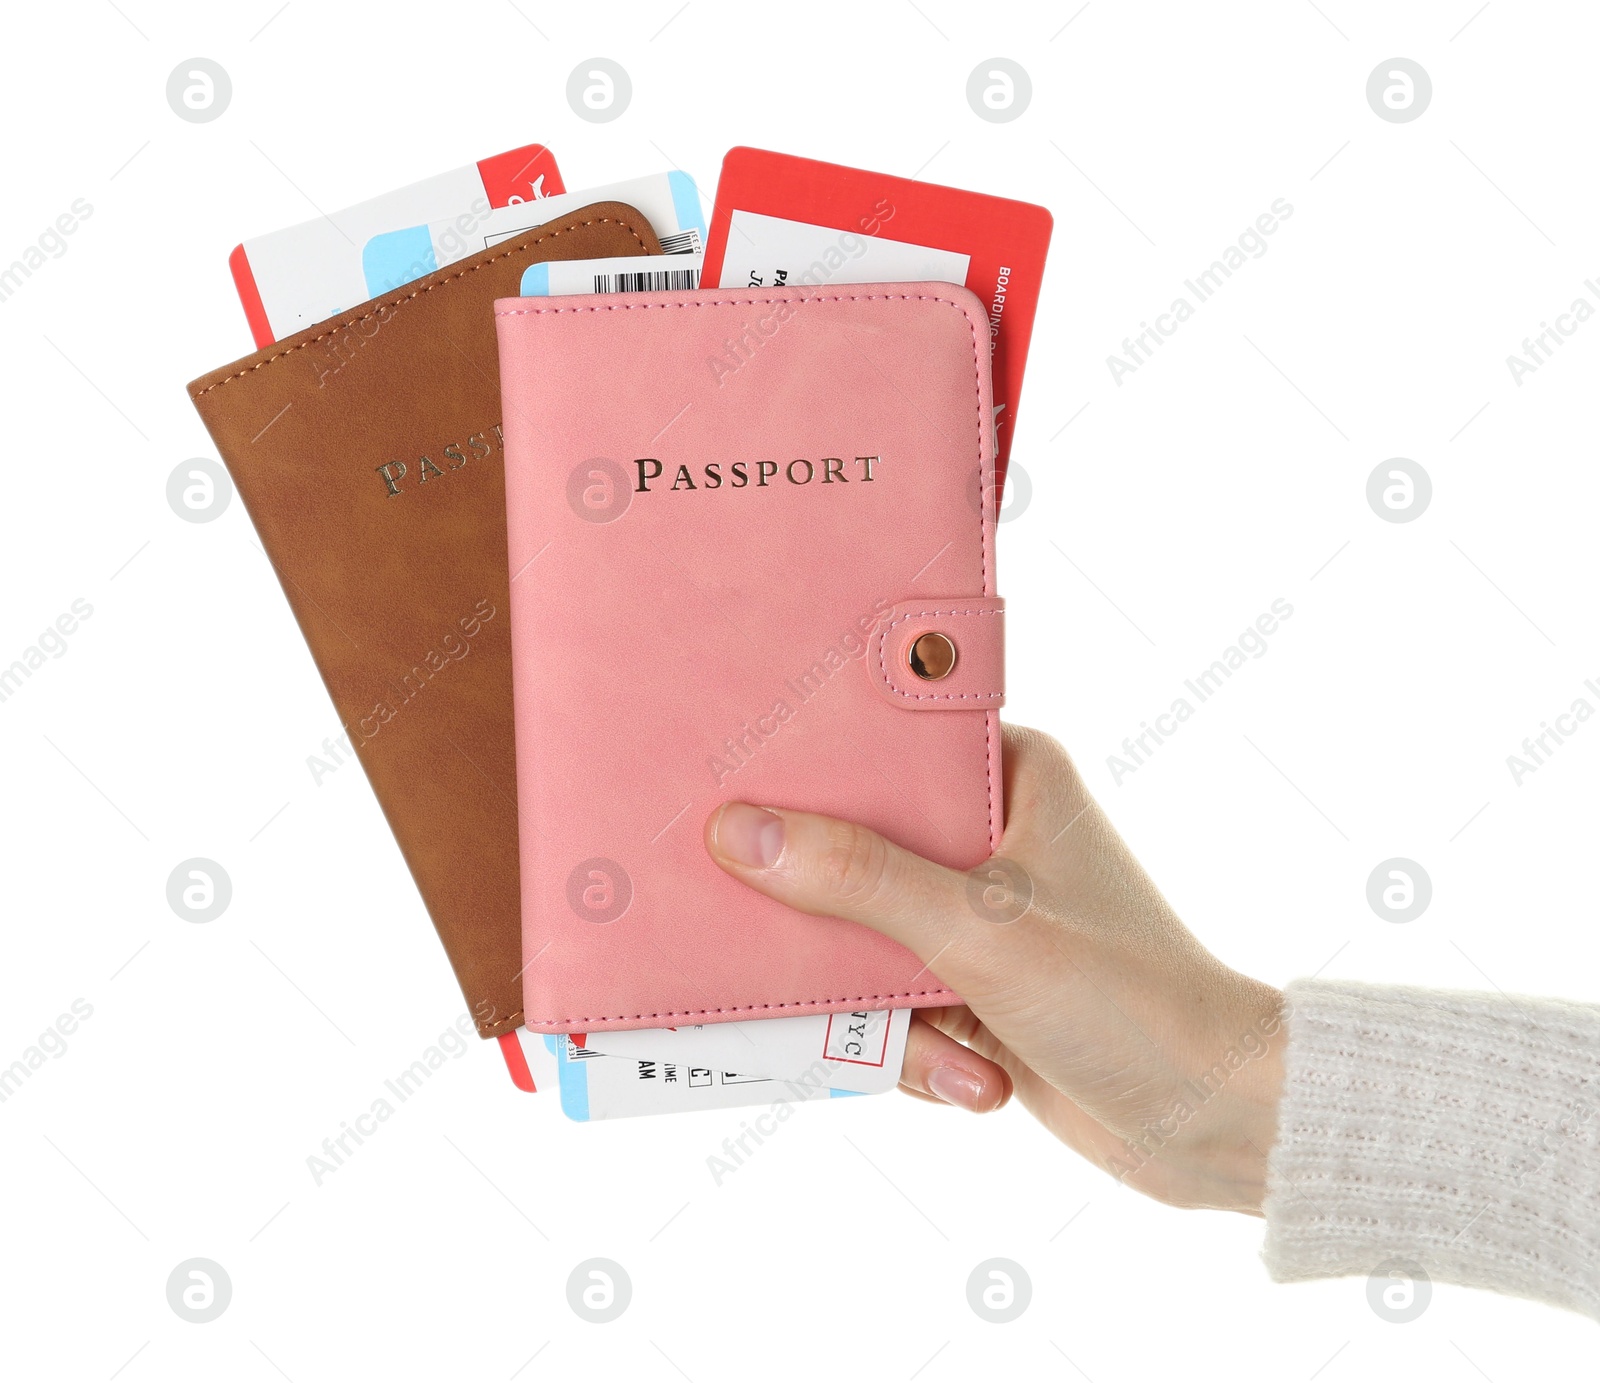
<point x="692" y="301"/>
<point x="513" y="1020"/>
<point x="983" y="561"/>
<point x="744" y="1008"/>
<point x="882" y="638"/>
<point x="992" y="730"/>
<point x="437" y="283"/>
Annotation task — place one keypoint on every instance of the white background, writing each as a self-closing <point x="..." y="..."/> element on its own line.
<point x="1166" y="514"/>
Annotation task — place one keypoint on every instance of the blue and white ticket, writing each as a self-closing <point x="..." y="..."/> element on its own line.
<point x="291" y="278"/>
<point x="860" y="1052"/>
<point x="596" y="1086"/>
<point x="668" y="201"/>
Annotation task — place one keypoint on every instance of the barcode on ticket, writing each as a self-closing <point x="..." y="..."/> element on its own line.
<point x="684" y="242"/>
<point x="647" y="281"/>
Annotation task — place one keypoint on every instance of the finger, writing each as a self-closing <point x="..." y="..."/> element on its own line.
<point x="833" y="868"/>
<point x="941" y="1068"/>
<point x="1047" y="802"/>
<point x="959" y="1023"/>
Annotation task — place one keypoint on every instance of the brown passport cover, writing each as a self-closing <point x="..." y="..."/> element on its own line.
<point x="368" y="453"/>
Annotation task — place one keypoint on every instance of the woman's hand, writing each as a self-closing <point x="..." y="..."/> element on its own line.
<point x="1084" y="992"/>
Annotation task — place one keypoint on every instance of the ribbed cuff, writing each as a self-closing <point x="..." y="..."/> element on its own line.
<point x="1456" y="1133"/>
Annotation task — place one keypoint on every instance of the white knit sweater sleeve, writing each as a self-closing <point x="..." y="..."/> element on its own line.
<point x="1457" y="1132"/>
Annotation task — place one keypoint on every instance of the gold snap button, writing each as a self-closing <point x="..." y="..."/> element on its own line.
<point x="932" y="657"/>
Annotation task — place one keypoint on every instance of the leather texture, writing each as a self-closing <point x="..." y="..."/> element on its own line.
<point x="699" y="640"/>
<point x="976" y="628"/>
<point x="368" y="452"/>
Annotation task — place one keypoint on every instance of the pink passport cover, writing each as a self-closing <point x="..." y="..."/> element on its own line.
<point x="739" y="629"/>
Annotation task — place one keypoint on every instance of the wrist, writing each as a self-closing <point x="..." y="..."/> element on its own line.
<point x="1212" y="1152"/>
<point x="1233" y="1148"/>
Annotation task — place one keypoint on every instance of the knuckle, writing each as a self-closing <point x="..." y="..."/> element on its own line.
<point x="1052" y="757"/>
<point x="856" y="864"/>
<point x="1044" y="790"/>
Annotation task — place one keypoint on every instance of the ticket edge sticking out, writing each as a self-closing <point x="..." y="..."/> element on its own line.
<point x="398" y="257"/>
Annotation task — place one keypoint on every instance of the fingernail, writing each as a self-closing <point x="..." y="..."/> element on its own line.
<point x="749" y="836"/>
<point x="956" y="1087"/>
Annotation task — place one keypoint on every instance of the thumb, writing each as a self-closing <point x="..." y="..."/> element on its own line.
<point x="833" y="868"/>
